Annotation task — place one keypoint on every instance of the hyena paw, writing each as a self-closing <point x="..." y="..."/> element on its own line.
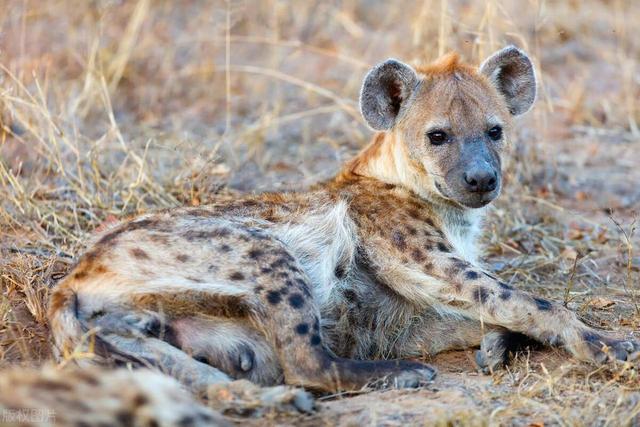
<point x="498" y="348"/>
<point x="243" y="397"/>
<point x="605" y="348"/>
<point x="414" y="375"/>
<point x="137" y="324"/>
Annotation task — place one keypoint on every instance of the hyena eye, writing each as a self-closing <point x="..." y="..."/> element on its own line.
<point x="437" y="137"/>
<point x="495" y="133"/>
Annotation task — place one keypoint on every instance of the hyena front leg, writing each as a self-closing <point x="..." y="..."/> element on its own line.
<point x="496" y="302"/>
<point x="448" y="280"/>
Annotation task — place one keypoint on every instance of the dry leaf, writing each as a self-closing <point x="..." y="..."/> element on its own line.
<point x="574" y="234"/>
<point x="601" y="303"/>
<point x="569" y="253"/>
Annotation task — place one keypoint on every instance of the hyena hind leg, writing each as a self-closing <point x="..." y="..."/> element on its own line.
<point x="137" y="337"/>
<point x="142" y="337"/>
<point x="231" y="345"/>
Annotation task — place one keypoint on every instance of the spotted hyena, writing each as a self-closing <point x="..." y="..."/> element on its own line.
<point x="334" y="288"/>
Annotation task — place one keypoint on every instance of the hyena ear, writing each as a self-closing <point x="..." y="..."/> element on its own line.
<point x="511" y="72"/>
<point x="385" y="92"/>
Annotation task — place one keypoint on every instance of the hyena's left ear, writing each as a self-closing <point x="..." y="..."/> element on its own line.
<point x="511" y="72"/>
<point x="385" y="93"/>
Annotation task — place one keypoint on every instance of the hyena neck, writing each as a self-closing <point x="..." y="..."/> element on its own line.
<point x="386" y="159"/>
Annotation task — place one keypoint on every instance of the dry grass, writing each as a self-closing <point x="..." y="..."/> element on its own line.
<point x="112" y="108"/>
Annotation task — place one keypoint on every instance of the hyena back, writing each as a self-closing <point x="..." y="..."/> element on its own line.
<point x="332" y="288"/>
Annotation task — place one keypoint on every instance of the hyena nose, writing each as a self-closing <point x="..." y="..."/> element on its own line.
<point x="481" y="180"/>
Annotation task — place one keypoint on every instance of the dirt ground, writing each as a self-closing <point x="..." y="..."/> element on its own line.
<point x="111" y="108"/>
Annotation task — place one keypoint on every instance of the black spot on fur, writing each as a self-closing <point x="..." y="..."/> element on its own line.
<point x="350" y="295"/>
<point x="225" y="248"/>
<point x="398" y="240"/>
<point x="315" y="340"/>
<point x="125" y="418"/>
<point x="316" y="324"/>
<point x="266" y="270"/>
<point x="340" y="271"/>
<point x="256" y="254"/>
<point x="279" y="263"/>
<point x="505" y="286"/>
<point x="274" y="297"/>
<point x="140" y="400"/>
<point x="296" y="300"/>
<point x="480" y="294"/>
<point x="459" y="264"/>
<point x="302" y="329"/>
<point x="193" y="235"/>
<point x="139" y="253"/>
<point x="51" y="385"/>
<point x="414" y="213"/>
<point x="221" y="232"/>
<point x="130" y="226"/>
<point x="417" y="255"/>
<point x="186" y="421"/>
<point x="471" y="275"/>
<point x="542" y="304"/>
<point x="505" y="295"/>
<point x="182" y="257"/>
<point x="236" y="275"/>
<point x="411" y="230"/>
<point x="443" y="248"/>
<point x="258" y="234"/>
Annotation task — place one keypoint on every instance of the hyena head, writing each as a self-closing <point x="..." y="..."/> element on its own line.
<point x="453" y="119"/>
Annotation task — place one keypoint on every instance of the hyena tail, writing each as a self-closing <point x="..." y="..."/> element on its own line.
<point x="66" y="327"/>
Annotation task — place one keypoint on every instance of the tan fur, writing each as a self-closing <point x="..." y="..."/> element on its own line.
<point x="316" y="288"/>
